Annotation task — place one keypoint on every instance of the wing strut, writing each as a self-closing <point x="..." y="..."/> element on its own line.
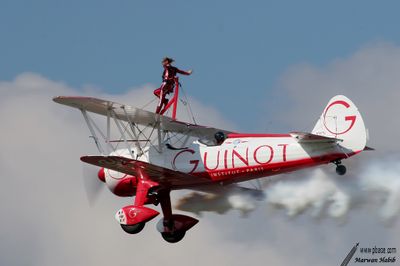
<point x="117" y="122"/>
<point x="133" y="129"/>
<point x="92" y="131"/>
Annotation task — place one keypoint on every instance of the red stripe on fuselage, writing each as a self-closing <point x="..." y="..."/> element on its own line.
<point x="127" y="186"/>
<point x="238" y="135"/>
<point x="239" y="174"/>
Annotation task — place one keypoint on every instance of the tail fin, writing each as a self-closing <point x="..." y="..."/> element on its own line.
<point x="341" y="119"/>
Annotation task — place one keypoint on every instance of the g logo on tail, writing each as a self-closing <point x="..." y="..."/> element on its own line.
<point x="350" y="118"/>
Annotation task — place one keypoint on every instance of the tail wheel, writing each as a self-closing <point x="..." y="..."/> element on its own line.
<point x="173" y="237"/>
<point x="340" y="169"/>
<point x="133" y="229"/>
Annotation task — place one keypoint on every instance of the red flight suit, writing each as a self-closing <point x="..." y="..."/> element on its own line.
<point x="167" y="86"/>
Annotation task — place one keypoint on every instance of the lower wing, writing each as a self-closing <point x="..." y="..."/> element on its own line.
<point x="161" y="175"/>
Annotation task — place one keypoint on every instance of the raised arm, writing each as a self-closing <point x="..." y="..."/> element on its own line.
<point x="184" y="72"/>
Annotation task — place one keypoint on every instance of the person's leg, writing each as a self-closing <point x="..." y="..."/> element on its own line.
<point x="157" y="92"/>
<point x="161" y="95"/>
<point x="168" y="88"/>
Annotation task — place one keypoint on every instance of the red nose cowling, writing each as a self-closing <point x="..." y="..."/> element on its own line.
<point x="101" y="175"/>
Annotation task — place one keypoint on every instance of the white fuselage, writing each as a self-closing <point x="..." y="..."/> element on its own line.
<point x="237" y="154"/>
<point x="236" y="159"/>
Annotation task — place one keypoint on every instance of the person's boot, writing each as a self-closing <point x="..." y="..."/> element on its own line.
<point x="164" y="103"/>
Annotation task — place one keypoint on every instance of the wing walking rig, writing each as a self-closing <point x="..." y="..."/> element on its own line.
<point x="147" y="155"/>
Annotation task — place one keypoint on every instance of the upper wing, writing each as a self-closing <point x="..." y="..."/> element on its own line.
<point x="304" y="137"/>
<point x="161" y="175"/>
<point x="137" y="116"/>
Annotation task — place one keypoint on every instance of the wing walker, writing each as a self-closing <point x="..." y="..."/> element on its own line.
<point x="146" y="155"/>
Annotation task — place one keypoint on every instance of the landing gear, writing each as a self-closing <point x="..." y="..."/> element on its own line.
<point x="173" y="237"/>
<point x="340" y="168"/>
<point x="133" y="218"/>
<point x="133" y="229"/>
<point x="173" y="227"/>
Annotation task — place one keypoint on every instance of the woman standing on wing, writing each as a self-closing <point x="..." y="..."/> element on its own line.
<point x="167" y="86"/>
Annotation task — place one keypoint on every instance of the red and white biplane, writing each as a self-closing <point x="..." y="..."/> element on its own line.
<point x="162" y="154"/>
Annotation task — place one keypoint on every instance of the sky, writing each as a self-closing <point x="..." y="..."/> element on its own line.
<point x="260" y="66"/>
<point x="237" y="50"/>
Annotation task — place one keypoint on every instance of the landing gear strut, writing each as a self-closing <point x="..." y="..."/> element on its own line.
<point x="133" y="218"/>
<point x="172" y="227"/>
<point x="340" y="168"/>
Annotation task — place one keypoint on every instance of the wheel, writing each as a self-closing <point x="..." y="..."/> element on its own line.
<point x="173" y="237"/>
<point x="340" y="169"/>
<point x="133" y="229"/>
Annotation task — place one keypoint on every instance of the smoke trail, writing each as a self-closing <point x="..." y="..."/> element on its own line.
<point x="383" y="180"/>
<point x="316" y="192"/>
<point x="243" y="200"/>
<point x="377" y="186"/>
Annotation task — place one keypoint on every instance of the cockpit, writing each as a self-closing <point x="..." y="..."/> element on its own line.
<point x="217" y="140"/>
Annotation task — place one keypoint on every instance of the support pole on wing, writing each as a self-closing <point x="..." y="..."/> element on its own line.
<point x="93" y="128"/>
<point x="175" y="98"/>
<point x="159" y="138"/>
<point x="173" y="101"/>
<point x="122" y="133"/>
<point x="131" y="125"/>
<point x="185" y="141"/>
<point x="108" y="130"/>
<point x="92" y="131"/>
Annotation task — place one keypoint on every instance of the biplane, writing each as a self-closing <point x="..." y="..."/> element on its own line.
<point x="147" y="155"/>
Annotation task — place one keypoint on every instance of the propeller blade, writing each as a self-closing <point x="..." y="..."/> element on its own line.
<point x="93" y="185"/>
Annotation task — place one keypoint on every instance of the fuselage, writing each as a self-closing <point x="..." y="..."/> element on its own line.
<point x="242" y="157"/>
<point x="239" y="158"/>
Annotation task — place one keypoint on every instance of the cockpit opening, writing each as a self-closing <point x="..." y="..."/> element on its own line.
<point x="217" y="140"/>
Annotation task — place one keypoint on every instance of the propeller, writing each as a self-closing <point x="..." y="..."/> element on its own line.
<point x="92" y="182"/>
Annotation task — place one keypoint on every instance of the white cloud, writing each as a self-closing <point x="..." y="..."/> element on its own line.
<point x="46" y="218"/>
<point x="47" y="221"/>
<point x="369" y="77"/>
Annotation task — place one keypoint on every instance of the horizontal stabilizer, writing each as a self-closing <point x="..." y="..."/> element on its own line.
<point x="304" y="137"/>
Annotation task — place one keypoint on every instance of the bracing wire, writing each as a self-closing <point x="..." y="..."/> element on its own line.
<point x="185" y="104"/>
<point x="188" y="106"/>
<point x="147" y="104"/>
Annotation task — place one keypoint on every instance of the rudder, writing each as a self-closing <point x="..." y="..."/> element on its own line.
<point x="341" y="119"/>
